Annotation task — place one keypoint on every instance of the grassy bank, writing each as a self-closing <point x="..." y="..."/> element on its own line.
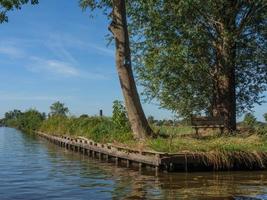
<point x="172" y="138"/>
<point x="179" y="138"/>
<point x="246" y="149"/>
<point x="99" y="129"/>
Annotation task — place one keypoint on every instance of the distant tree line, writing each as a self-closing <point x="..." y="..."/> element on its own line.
<point x="32" y="119"/>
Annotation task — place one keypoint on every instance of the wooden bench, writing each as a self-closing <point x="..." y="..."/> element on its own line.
<point x="207" y="122"/>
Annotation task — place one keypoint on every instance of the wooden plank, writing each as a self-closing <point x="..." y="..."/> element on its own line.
<point x="121" y="153"/>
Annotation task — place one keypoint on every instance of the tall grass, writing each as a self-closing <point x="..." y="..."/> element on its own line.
<point x="99" y="129"/>
<point x="209" y="144"/>
<point x="178" y="138"/>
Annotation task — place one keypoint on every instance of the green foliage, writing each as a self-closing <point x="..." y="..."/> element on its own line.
<point x="119" y="117"/>
<point x="15" y="114"/>
<point x="262" y="130"/>
<point x="8" y="5"/>
<point x="175" y="50"/>
<point x="29" y="120"/>
<point x="58" y="108"/>
<point x="93" y="4"/>
<point x="250" y="120"/>
<point x="240" y="143"/>
<point x="150" y="119"/>
<point x="99" y="129"/>
<point x="265" y="117"/>
<point x="176" y="130"/>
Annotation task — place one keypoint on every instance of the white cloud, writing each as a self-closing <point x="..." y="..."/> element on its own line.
<point x="63" y="69"/>
<point x="63" y="64"/>
<point x="11" y="51"/>
<point x="59" y="42"/>
<point x="103" y="50"/>
<point x="55" y="67"/>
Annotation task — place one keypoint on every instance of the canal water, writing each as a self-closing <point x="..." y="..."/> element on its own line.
<point x="33" y="169"/>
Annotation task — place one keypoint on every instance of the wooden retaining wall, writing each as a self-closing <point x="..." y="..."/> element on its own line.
<point x="117" y="154"/>
<point x="157" y="161"/>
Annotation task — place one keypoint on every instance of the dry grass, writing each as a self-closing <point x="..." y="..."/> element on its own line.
<point x="218" y="152"/>
<point x="208" y="144"/>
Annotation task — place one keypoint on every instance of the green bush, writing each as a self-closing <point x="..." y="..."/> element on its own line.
<point x="265" y="116"/>
<point x="250" y="121"/>
<point x="30" y="120"/>
<point x="99" y="129"/>
<point x="119" y="117"/>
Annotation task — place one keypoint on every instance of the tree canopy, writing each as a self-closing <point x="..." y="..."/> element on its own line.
<point x="8" y="5"/>
<point x="58" y="108"/>
<point x="178" y="51"/>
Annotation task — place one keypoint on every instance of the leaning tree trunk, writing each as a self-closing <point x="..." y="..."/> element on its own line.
<point x="118" y="27"/>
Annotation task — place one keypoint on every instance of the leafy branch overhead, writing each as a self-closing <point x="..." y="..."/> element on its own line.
<point x="9" y="5"/>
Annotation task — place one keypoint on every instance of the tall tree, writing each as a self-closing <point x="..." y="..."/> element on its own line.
<point x="196" y="57"/>
<point x="8" y="5"/>
<point x="119" y="30"/>
<point x="58" y="108"/>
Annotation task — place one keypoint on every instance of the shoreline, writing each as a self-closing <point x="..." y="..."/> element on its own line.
<point x="161" y="161"/>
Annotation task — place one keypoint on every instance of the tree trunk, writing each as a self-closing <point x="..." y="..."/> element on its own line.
<point x="224" y="71"/>
<point x="119" y="29"/>
<point x="226" y="100"/>
<point x="225" y="83"/>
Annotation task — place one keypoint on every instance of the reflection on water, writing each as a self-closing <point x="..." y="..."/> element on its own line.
<point x="31" y="168"/>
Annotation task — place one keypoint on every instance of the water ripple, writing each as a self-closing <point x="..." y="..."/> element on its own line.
<point x="33" y="169"/>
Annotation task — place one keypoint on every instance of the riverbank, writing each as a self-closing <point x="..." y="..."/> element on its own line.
<point x="243" y="150"/>
<point x="180" y="161"/>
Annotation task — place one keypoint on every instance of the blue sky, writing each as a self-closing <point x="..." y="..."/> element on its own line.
<point x="54" y="51"/>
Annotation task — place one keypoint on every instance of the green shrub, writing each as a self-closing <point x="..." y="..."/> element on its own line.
<point x="30" y="120"/>
<point x="265" y="116"/>
<point x="119" y="117"/>
<point x="250" y="121"/>
<point x="99" y="129"/>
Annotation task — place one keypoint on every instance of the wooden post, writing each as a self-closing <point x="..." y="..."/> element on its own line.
<point x="93" y="154"/>
<point x="83" y="150"/>
<point x="140" y="166"/>
<point x="185" y="163"/>
<point x="156" y="171"/>
<point x="128" y="162"/>
<point x="116" y="161"/>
